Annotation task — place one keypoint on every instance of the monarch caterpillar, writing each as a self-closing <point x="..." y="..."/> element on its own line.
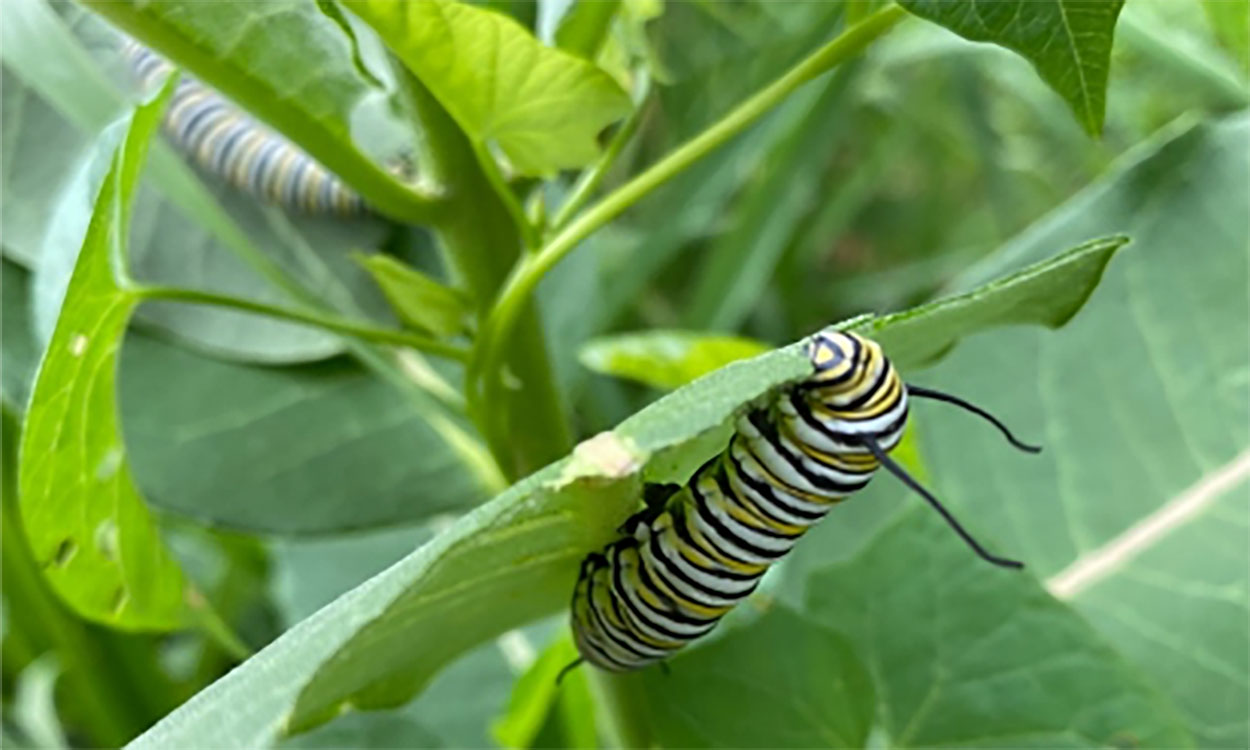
<point x="693" y="552"/>
<point x="228" y="143"/>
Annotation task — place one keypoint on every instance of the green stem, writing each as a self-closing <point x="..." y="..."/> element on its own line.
<point x="210" y="623"/>
<point x="591" y="178"/>
<point x="527" y="273"/>
<point x="490" y="168"/>
<point x="320" y="320"/>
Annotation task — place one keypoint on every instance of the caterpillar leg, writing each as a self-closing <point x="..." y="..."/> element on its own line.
<point x="907" y="479"/>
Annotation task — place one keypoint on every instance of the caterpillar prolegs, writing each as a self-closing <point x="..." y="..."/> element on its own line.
<point x="697" y="550"/>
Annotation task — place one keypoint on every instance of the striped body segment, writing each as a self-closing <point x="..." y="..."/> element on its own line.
<point x="227" y="142"/>
<point x="697" y="550"/>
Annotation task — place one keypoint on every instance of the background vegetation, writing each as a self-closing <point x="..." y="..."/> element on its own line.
<point x="312" y="504"/>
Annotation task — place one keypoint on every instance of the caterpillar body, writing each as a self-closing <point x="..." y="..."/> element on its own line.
<point x="697" y="550"/>
<point x="225" y="141"/>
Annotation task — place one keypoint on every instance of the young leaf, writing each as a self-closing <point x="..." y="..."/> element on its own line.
<point x="665" y="359"/>
<point x="289" y="65"/>
<point x="86" y="523"/>
<point x="543" y="107"/>
<point x="966" y="654"/>
<point x="1068" y="41"/>
<point x="513" y="559"/>
<point x="418" y="300"/>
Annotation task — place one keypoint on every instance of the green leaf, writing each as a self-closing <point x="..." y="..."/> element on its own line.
<point x="292" y="67"/>
<point x="355" y="452"/>
<point x="1049" y="293"/>
<point x="785" y="681"/>
<point x="537" y="703"/>
<point x="418" y="300"/>
<point x="40" y="151"/>
<point x="665" y="359"/>
<point x="543" y="107"/>
<point x="966" y="654"/>
<point x="1068" y="41"/>
<point x="85" y="521"/>
<point x="1141" y="403"/>
<point x="521" y="548"/>
<point x="1231" y="23"/>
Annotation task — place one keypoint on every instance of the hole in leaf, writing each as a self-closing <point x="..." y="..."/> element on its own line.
<point x="64" y="551"/>
<point x="120" y="598"/>
<point x="106" y="539"/>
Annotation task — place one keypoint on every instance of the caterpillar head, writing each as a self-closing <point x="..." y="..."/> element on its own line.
<point x="845" y="362"/>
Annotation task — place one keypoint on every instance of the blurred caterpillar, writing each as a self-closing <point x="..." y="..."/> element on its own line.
<point x="693" y="552"/>
<point x="228" y="143"/>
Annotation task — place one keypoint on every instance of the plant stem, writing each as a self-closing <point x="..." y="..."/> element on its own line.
<point x="531" y="269"/>
<point x="591" y="178"/>
<point x="326" y="321"/>
<point x="490" y="168"/>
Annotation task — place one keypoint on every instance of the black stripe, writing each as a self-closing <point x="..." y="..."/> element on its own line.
<point x="848" y="439"/>
<point x="866" y="396"/>
<point x="673" y="569"/>
<point x="769" y="432"/>
<point x="676" y="615"/>
<point x="679" y="527"/>
<point x="605" y="627"/>
<point x="727" y="490"/>
<point x="706" y="514"/>
<point x="816" y="384"/>
<point x="767" y="490"/>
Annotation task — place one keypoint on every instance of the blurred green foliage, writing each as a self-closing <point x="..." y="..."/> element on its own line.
<point x="287" y="466"/>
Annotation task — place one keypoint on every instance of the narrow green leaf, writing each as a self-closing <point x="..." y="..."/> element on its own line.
<point x="966" y="654"/>
<point x="521" y="549"/>
<point x="543" y="107"/>
<point x="86" y="523"/>
<point x="665" y="359"/>
<point x="291" y="66"/>
<point x="418" y="300"/>
<point x="537" y="701"/>
<point x="585" y="25"/>
<point x="785" y="681"/>
<point x="1068" y="41"/>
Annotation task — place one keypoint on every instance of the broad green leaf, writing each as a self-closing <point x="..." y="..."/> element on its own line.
<point x="785" y="681"/>
<point x="966" y="654"/>
<point x="541" y="713"/>
<point x="1179" y="609"/>
<point x="514" y="559"/>
<point x="352" y="450"/>
<point x="1144" y="398"/>
<point x="665" y="359"/>
<point x="40" y="150"/>
<point x="1068" y="41"/>
<point x="85" y="521"/>
<point x="292" y="67"/>
<point x="543" y="107"/>
<point x="418" y="300"/>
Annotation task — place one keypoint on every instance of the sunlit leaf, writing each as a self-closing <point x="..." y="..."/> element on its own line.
<point x="86" y="523"/>
<point x="543" y="107"/>
<point x="418" y="300"/>
<point x="665" y="359"/>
